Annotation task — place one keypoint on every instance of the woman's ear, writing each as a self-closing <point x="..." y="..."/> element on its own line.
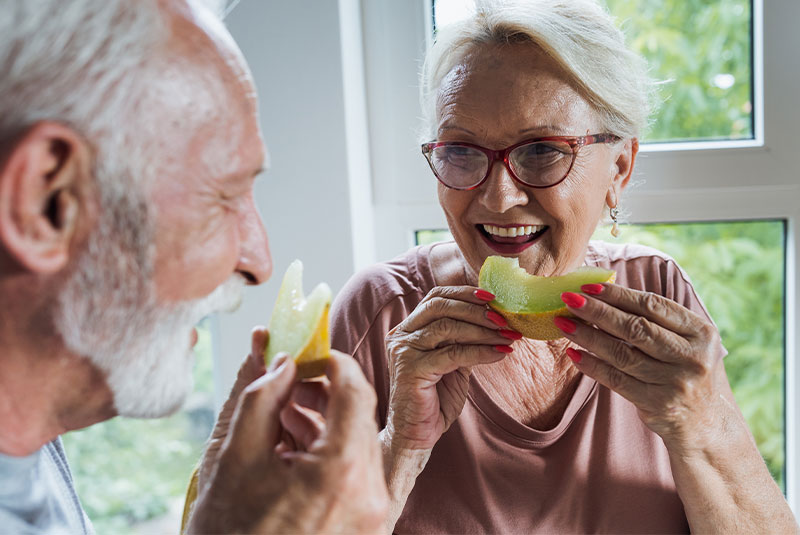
<point x="43" y="185"/>
<point x="622" y="170"/>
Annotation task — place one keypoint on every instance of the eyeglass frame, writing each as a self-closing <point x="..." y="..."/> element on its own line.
<point x="575" y="144"/>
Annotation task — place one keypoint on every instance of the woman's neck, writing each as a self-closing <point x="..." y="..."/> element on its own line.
<point x="534" y="384"/>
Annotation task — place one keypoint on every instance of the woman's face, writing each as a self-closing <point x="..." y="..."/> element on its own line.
<point x="499" y="96"/>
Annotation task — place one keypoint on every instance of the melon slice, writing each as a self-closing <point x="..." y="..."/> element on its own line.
<point x="529" y="303"/>
<point x="299" y="324"/>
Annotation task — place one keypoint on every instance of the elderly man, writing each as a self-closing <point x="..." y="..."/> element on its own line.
<point x="128" y="149"/>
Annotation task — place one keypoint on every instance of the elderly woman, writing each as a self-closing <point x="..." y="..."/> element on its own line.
<point x="627" y="424"/>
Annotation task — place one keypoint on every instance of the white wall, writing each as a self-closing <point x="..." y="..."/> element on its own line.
<point x="294" y="49"/>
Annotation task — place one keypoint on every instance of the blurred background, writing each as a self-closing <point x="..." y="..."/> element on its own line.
<point x="716" y="187"/>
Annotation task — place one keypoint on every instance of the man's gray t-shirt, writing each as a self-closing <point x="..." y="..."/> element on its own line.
<point x="37" y="495"/>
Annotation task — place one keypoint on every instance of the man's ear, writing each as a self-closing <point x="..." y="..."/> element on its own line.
<point x="622" y="169"/>
<point x="43" y="187"/>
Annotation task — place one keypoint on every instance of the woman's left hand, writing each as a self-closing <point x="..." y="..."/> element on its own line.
<point x="659" y="355"/>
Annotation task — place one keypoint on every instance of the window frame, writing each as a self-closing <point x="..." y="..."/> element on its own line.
<point x="674" y="182"/>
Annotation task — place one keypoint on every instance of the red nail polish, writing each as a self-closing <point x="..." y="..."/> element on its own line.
<point x="496" y="318"/>
<point x="568" y="326"/>
<point x="504" y="349"/>
<point x="483" y="295"/>
<point x="574" y="355"/>
<point x="508" y="333"/>
<point x="573" y="300"/>
<point x="592" y="289"/>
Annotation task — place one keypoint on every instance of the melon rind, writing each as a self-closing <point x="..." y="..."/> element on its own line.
<point x="299" y="324"/>
<point x="528" y="302"/>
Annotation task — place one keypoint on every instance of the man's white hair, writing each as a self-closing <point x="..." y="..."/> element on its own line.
<point x="92" y="65"/>
<point x="579" y="34"/>
<point x="84" y="63"/>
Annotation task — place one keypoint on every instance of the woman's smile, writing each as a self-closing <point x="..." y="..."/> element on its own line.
<point x="509" y="239"/>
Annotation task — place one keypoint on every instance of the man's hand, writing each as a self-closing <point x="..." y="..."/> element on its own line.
<point x="293" y="457"/>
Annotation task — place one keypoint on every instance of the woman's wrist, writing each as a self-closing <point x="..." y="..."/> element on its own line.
<point x="401" y="468"/>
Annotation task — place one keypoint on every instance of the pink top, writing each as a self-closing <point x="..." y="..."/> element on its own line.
<point x="598" y="470"/>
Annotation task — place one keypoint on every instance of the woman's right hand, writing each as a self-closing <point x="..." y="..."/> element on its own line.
<point x="431" y="355"/>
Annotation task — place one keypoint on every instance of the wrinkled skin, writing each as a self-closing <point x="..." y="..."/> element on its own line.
<point x="298" y="457"/>
<point x="655" y="353"/>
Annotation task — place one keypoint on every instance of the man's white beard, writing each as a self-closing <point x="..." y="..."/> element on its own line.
<point x="108" y="313"/>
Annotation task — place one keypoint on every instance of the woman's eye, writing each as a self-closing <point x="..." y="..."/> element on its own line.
<point x="539" y="154"/>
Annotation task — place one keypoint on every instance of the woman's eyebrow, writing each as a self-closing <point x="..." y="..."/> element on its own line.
<point x="541" y="129"/>
<point x="455" y="127"/>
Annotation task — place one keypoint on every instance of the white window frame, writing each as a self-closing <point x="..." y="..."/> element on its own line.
<point x="702" y="181"/>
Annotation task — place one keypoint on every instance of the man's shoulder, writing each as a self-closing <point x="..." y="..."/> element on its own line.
<point x="38" y="494"/>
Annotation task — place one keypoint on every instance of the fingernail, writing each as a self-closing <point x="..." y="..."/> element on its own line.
<point x="568" y="326"/>
<point x="573" y="300"/>
<point x="574" y="355"/>
<point x="484" y="295"/>
<point x="504" y="349"/>
<point x="508" y="333"/>
<point x="592" y="289"/>
<point x="496" y="318"/>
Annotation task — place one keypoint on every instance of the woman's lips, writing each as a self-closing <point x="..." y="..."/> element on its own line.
<point x="507" y="245"/>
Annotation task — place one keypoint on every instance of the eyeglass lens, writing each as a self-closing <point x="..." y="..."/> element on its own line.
<point x="542" y="163"/>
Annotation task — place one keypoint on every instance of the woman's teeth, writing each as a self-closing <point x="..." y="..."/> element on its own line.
<point x="512" y="232"/>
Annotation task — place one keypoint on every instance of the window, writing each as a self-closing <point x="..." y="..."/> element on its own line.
<point x="737" y="268"/>
<point x="131" y="475"/>
<point x="704" y="75"/>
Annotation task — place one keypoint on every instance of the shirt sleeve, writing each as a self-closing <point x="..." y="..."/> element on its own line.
<point x="371" y="304"/>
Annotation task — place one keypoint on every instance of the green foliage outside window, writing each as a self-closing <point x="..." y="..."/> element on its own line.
<point x="700" y="52"/>
<point x="131" y="471"/>
<point x="737" y="269"/>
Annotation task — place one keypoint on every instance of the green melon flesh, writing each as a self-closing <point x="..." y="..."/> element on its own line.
<point x="518" y="291"/>
<point x="295" y="318"/>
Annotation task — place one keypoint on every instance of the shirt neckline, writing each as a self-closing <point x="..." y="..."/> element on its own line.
<point x="502" y="422"/>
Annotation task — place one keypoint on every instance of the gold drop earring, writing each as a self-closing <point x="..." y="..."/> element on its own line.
<point x="614" y="213"/>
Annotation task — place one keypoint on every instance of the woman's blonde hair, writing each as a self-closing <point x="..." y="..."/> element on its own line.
<point x="579" y="34"/>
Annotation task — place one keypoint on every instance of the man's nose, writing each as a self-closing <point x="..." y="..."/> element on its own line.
<point x="255" y="261"/>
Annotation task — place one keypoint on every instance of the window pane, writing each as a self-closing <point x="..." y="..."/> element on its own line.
<point x="131" y="475"/>
<point x="699" y="50"/>
<point x="737" y="268"/>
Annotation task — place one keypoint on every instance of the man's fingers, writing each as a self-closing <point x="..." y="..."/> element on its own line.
<point x="259" y="338"/>
<point x="312" y="394"/>
<point x="303" y="425"/>
<point x="256" y="426"/>
<point x="351" y="407"/>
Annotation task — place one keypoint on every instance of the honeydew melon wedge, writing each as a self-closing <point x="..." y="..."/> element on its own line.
<point x="528" y="302"/>
<point x="299" y="324"/>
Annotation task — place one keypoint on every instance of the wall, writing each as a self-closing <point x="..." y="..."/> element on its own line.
<point x="316" y="184"/>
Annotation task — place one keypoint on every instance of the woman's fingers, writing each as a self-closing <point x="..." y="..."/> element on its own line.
<point x="619" y="354"/>
<point x="611" y="377"/>
<point x="446" y="331"/>
<point x="655" y="308"/>
<point x="450" y="358"/>
<point x="639" y="331"/>
<point x="455" y="302"/>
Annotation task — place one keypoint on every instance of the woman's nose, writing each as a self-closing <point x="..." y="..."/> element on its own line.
<point x="500" y="192"/>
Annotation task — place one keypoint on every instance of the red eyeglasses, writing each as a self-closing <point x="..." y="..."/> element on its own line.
<point x="541" y="162"/>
